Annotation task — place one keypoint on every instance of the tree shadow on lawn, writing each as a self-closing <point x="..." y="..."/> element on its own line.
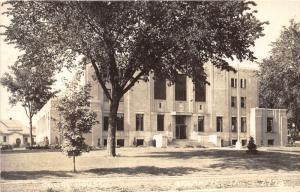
<point x="129" y="171"/>
<point x="237" y="159"/>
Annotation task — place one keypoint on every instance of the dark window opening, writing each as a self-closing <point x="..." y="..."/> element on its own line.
<point x="200" y="91"/>
<point x="105" y="123"/>
<point x="160" y="89"/>
<point x="233" y="124"/>
<point x="139" y="142"/>
<point x="244" y="142"/>
<point x="233" y="101"/>
<point x="4" y="138"/>
<point x="180" y="88"/>
<point x="219" y="124"/>
<point x="120" y="142"/>
<point x="201" y="124"/>
<point x="105" y="142"/>
<point x="270" y="141"/>
<point x="243" y="124"/>
<point x="233" y="82"/>
<point x="233" y="142"/>
<point x="120" y="122"/>
<point x="160" y="122"/>
<point x="269" y="124"/>
<point x="139" y="122"/>
<point x="243" y="102"/>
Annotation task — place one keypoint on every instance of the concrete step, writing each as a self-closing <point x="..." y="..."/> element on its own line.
<point x="185" y="143"/>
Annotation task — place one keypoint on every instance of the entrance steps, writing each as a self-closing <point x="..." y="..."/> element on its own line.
<point x="185" y="143"/>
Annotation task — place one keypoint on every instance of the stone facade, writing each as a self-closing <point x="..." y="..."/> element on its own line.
<point x="220" y="118"/>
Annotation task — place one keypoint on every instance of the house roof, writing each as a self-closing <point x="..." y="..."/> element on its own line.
<point x="7" y="126"/>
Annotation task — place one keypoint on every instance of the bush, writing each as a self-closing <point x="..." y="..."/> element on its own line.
<point x="251" y="146"/>
<point x="6" y="147"/>
<point x="38" y="147"/>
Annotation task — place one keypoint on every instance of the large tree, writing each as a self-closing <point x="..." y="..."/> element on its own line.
<point x="125" y="41"/>
<point x="29" y="83"/>
<point x="279" y="75"/>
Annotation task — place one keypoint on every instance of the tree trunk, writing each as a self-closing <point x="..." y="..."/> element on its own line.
<point x="111" y="139"/>
<point x="74" y="168"/>
<point x="30" y="130"/>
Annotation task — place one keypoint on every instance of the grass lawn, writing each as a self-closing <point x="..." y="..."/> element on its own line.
<point x="152" y="168"/>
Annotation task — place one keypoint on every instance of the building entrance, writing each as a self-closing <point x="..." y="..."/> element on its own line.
<point x="180" y="127"/>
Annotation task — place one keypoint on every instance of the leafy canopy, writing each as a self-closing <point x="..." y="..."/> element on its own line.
<point x="76" y="118"/>
<point x="127" y="40"/>
<point x="279" y="74"/>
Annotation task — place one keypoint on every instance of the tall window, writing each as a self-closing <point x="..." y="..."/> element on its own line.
<point x="139" y="122"/>
<point x="120" y="122"/>
<point x="160" y="89"/>
<point x="269" y="124"/>
<point x="201" y="124"/>
<point x="243" y="83"/>
<point x="4" y="138"/>
<point x="243" y="102"/>
<point x="243" y="124"/>
<point x="233" y="124"/>
<point x="105" y="123"/>
<point x="219" y="124"/>
<point x="160" y="122"/>
<point x="105" y="98"/>
<point x="180" y="88"/>
<point x="233" y="82"/>
<point x="233" y="101"/>
<point x="200" y="92"/>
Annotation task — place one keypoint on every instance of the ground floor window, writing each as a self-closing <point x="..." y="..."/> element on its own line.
<point x="243" y="124"/>
<point x="139" y="122"/>
<point x="120" y="142"/>
<point x="25" y="140"/>
<point x="4" y="138"/>
<point x="105" y="142"/>
<point x="201" y="124"/>
<point x="139" y="142"/>
<point x="160" y="122"/>
<point x="105" y="123"/>
<point x="233" y="142"/>
<point x="270" y="141"/>
<point x="244" y="142"/>
<point x="219" y="124"/>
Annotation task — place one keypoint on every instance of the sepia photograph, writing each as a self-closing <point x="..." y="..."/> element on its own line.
<point x="151" y="96"/>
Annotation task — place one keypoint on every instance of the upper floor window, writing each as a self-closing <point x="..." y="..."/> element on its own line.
<point x="201" y="124"/>
<point x="243" y="102"/>
<point x="233" y="124"/>
<point x="243" y="124"/>
<point x="233" y="82"/>
<point x="219" y="124"/>
<point x="120" y="122"/>
<point x="105" y="123"/>
<point x="160" y="89"/>
<point x="200" y="91"/>
<point x="180" y="88"/>
<point x="139" y="122"/>
<point x="243" y="83"/>
<point x="160" y="122"/>
<point x="233" y="101"/>
<point x="269" y="124"/>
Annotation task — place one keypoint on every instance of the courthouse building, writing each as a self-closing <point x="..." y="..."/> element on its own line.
<point x="218" y="114"/>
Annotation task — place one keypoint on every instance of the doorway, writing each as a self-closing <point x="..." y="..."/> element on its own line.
<point x="180" y="127"/>
<point x="18" y="142"/>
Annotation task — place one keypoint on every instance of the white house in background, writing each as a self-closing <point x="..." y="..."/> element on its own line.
<point x="13" y="132"/>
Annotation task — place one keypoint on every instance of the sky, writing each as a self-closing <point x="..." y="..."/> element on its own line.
<point x="277" y="12"/>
